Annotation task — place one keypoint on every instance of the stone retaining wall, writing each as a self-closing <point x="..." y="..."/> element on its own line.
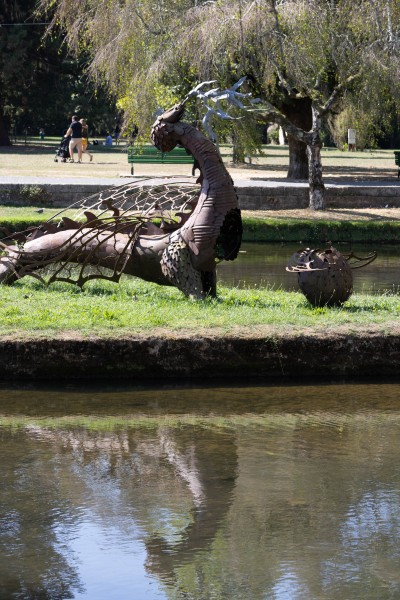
<point x="294" y="196"/>
<point x="45" y="194"/>
<point x="325" y="356"/>
<point x="257" y="196"/>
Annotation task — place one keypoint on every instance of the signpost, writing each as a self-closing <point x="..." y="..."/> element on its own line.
<point x="351" y="139"/>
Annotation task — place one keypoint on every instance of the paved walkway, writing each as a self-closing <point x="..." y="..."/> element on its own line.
<point x="261" y="182"/>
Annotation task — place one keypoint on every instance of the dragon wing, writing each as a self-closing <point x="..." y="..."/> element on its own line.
<point x="98" y="218"/>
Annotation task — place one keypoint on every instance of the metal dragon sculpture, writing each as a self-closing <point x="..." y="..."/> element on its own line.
<point x="169" y="232"/>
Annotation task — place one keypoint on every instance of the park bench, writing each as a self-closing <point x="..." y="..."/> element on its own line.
<point x="150" y="154"/>
<point x="397" y="161"/>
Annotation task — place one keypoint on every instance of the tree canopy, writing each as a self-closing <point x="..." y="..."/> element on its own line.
<point x="41" y="84"/>
<point x="302" y="47"/>
<point x="306" y="59"/>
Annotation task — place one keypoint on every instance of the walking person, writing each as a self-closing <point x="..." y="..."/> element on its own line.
<point x="85" y="139"/>
<point x="117" y="133"/>
<point x="75" y="131"/>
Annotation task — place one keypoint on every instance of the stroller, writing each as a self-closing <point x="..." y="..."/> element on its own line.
<point x="62" y="151"/>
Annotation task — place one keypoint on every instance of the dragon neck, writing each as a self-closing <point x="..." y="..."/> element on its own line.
<point x="204" y="152"/>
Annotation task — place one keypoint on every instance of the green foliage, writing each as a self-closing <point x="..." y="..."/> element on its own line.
<point x="41" y="85"/>
<point x="290" y="51"/>
<point x="273" y="135"/>
<point x="369" y="107"/>
<point x="307" y="49"/>
<point x="20" y="218"/>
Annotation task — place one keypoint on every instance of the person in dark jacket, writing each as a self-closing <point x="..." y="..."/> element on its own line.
<point x="75" y="131"/>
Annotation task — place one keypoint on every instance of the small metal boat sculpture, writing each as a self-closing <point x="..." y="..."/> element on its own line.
<point x="326" y="276"/>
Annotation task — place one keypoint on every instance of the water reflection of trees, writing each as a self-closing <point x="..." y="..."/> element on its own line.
<point x="174" y="489"/>
<point x="33" y="562"/>
<point x="293" y="510"/>
<point x="308" y="492"/>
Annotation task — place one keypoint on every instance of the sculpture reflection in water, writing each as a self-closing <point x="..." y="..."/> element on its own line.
<point x="172" y="488"/>
<point x="170" y="232"/>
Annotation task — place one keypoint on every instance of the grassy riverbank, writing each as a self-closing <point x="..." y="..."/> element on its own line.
<point x="261" y="229"/>
<point x="134" y="307"/>
<point x="381" y="226"/>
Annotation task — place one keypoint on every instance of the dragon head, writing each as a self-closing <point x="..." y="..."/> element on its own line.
<point x="162" y="132"/>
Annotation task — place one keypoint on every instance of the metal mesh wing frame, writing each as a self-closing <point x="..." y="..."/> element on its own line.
<point x="97" y="219"/>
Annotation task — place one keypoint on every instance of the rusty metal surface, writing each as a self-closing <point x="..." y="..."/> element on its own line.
<point x="326" y="276"/>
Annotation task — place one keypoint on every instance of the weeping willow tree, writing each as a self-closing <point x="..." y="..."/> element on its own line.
<point x="305" y="59"/>
<point x="373" y="113"/>
<point x="301" y="57"/>
<point x="125" y="40"/>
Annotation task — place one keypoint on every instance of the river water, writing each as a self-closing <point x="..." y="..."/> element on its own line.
<point x="264" y="265"/>
<point x="252" y="492"/>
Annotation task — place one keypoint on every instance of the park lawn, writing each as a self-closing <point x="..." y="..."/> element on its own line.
<point x="133" y="307"/>
<point x="36" y="158"/>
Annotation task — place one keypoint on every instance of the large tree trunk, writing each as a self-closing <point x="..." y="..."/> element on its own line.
<point x="300" y="114"/>
<point x="314" y="145"/>
<point x="317" y="188"/>
<point x="4" y="137"/>
<point x="298" y="160"/>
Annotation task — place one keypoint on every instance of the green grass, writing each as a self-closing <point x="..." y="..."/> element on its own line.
<point x="255" y="229"/>
<point x="18" y="218"/>
<point x="132" y="307"/>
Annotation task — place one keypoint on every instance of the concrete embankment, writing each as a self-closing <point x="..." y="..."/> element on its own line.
<point x="330" y="357"/>
<point x="254" y="194"/>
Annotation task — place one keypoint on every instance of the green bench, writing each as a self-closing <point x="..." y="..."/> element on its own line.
<point x="397" y="161"/>
<point x="150" y="154"/>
